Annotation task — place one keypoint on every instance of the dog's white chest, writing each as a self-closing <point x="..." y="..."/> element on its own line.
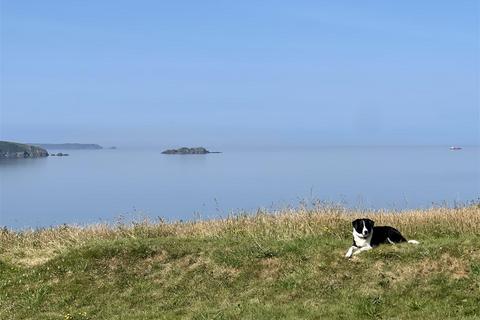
<point x="361" y="242"/>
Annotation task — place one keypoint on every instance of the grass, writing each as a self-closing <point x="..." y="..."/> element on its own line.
<point x="272" y="265"/>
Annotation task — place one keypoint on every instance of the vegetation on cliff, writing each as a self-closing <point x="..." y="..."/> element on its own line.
<point x="12" y="150"/>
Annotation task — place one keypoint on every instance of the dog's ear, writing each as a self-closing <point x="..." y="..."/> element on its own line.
<point x="370" y="222"/>
<point x="355" y="222"/>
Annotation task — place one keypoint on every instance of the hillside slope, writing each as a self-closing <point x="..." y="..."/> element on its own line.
<point x="69" y="146"/>
<point x="285" y="266"/>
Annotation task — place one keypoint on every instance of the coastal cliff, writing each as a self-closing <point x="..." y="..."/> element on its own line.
<point x="13" y="150"/>
<point x="69" y="146"/>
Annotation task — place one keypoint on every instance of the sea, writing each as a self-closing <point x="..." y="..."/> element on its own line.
<point x="118" y="186"/>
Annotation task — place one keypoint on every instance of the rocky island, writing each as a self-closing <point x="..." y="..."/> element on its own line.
<point x="13" y="150"/>
<point x="184" y="150"/>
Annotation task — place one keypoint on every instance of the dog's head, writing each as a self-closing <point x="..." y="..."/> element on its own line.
<point x="363" y="227"/>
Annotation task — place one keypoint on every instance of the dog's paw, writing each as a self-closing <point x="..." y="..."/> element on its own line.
<point x="349" y="253"/>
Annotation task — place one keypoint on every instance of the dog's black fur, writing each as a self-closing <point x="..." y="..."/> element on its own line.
<point x="381" y="234"/>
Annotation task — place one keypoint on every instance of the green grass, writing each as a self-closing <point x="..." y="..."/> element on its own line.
<point x="242" y="268"/>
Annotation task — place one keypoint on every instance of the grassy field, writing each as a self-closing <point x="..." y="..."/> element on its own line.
<point x="279" y="265"/>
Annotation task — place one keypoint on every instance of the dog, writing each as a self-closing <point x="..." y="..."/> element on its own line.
<point x="366" y="236"/>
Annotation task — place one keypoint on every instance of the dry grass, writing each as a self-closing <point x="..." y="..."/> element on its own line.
<point x="34" y="247"/>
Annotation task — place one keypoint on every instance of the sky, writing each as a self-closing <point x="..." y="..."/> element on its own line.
<point x="240" y="73"/>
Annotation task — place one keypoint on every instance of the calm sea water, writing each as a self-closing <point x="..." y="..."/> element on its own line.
<point x="104" y="185"/>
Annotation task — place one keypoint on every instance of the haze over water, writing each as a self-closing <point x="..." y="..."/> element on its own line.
<point x="104" y="185"/>
<point x="238" y="77"/>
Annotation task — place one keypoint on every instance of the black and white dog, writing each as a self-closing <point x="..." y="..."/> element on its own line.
<point x="366" y="236"/>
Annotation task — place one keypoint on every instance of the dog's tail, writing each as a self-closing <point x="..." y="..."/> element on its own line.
<point x="413" y="242"/>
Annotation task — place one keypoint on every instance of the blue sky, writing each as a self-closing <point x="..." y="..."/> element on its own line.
<point x="240" y="73"/>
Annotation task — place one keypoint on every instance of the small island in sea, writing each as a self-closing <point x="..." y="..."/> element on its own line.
<point x="14" y="150"/>
<point x="69" y="146"/>
<point x="184" y="150"/>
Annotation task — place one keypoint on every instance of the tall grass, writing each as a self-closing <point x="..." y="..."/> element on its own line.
<point x="33" y="247"/>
